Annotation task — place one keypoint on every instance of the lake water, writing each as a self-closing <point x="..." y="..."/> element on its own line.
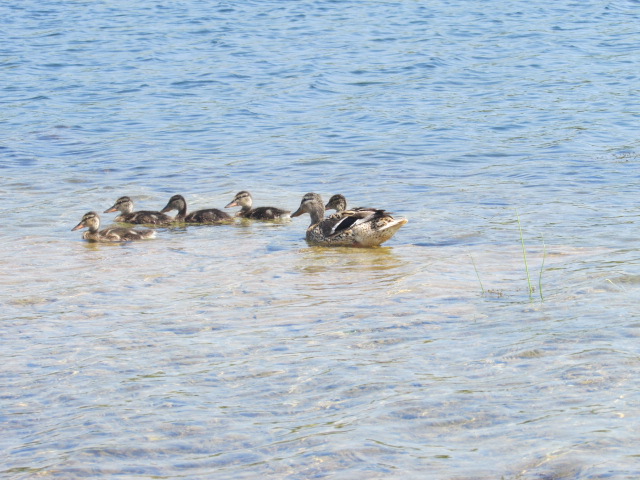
<point x="239" y="351"/>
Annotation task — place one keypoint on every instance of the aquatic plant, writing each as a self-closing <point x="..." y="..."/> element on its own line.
<point x="524" y="256"/>
<point x="477" y="274"/>
<point x="526" y="264"/>
<point x="530" y="288"/>
<point x="544" y="256"/>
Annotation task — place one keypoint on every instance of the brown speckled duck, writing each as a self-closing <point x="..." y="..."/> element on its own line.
<point x="243" y="199"/>
<point x="208" y="216"/>
<point x="124" y="205"/>
<point x="91" y="220"/>
<point x="357" y="228"/>
<point x="338" y="202"/>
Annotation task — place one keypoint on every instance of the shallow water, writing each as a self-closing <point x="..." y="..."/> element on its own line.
<point x="238" y="351"/>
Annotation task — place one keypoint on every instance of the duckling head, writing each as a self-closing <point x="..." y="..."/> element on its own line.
<point x="242" y="199"/>
<point x="337" y="202"/>
<point x="123" y="205"/>
<point x="177" y="202"/>
<point x="90" y="220"/>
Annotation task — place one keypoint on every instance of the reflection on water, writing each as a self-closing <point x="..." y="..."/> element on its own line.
<point x="234" y="358"/>
<point x="348" y="265"/>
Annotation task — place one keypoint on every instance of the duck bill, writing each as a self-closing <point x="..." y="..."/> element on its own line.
<point x="112" y="209"/>
<point x="297" y="213"/>
<point x="78" y="226"/>
<point x="167" y="208"/>
<point x="231" y="204"/>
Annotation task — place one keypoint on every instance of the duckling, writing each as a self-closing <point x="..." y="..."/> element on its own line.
<point x="338" y="202"/>
<point x="358" y="228"/>
<point x="125" y="206"/>
<point x="208" y="216"/>
<point x="243" y="199"/>
<point x="91" y="220"/>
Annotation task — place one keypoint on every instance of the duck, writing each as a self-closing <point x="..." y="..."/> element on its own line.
<point x="357" y="228"/>
<point x="124" y="205"/>
<point x="91" y="220"/>
<point x="338" y="202"/>
<point x="245" y="200"/>
<point x="208" y="216"/>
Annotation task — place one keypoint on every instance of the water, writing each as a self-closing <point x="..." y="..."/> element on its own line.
<point x="240" y="351"/>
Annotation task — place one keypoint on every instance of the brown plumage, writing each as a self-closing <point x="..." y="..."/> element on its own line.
<point x="91" y="220"/>
<point x="207" y="216"/>
<point x="243" y="199"/>
<point x="359" y="228"/>
<point x="124" y="205"/>
<point x="338" y="202"/>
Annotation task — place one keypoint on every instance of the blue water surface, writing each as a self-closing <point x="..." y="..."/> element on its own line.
<point x="241" y="352"/>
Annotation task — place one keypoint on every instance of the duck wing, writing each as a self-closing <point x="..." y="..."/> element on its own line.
<point x="210" y="215"/>
<point x="146" y="217"/>
<point x="266" y="213"/>
<point x="350" y="218"/>
<point x="120" y="234"/>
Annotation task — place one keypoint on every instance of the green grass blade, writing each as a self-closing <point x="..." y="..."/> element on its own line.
<point x="544" y="256"/>
<point x="477" y="274"/>
<point x="524" y="255"/>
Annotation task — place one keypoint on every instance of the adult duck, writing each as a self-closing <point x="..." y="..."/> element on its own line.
<point x="244" y="200"/>
<point x="124" y="205"/>
<point x="357" y="228"/>
<point x="207" y="216"/>
<point x="91" y="220"/>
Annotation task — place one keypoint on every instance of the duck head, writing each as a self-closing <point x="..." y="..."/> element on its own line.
<point x="90" y="220"/>
<point x="337" y="202"/>
<point x="242" y="199"/>
<point x="312" y="204"/>
<point x="123" y="205"/>
<point x="177" y="202"/>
